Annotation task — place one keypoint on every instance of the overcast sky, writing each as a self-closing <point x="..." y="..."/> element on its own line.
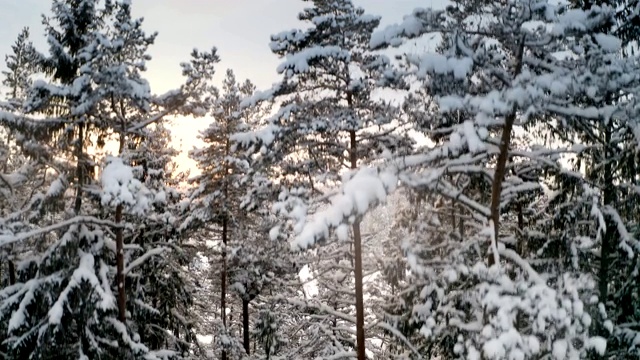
<point x="240" y="29"/>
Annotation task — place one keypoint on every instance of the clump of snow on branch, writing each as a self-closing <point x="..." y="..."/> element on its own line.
<point x="299" y="62"/>
<point x="367" y="188"/>
<point x="120" y="187"/>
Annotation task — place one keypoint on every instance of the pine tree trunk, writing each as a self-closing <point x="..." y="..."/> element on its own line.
<point x="120" y="278"/>
<point x="79" y="167"/>
<point x="12" y="273"/>
<point x="521" y="247"/>
<point x="122" y="296"/>
<point x="357" y="245"/>
<point x="223" y="280"/>
<point x="498" y="177"/>
<point x="610" y="232"/>
<point x="245" y="326"/>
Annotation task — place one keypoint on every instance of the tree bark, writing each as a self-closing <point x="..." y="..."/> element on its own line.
<point x="498" y="177"/>
<point x="122" y="296"/>
<point x="12" y="273"/>
<point x="120" y="278"/>
<point x="245" y="326"/>
<point x="357" y="245"/>
<point x="79" y="168"/>
<point x="610" y="232"/>
<point x="223" y="280"/>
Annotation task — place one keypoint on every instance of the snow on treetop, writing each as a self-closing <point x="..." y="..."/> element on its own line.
<point x="282" y="40"/>
<point x="441" y="64"/>
<point x="580" y="20"/>
<point x="119" y="186"/>
<point x="411" y="26"/>
<point x="299" y="62"/>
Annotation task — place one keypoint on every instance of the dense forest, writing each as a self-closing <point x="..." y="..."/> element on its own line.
<point x="478" y="200"/>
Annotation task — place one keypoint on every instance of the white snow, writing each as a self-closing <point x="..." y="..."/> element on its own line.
<point x="559" y="349"/>
<point x="120" y="187"/>
<point x="299" y="62"/>
<point x="598" y="344"/>
<point x="364" y="190"/>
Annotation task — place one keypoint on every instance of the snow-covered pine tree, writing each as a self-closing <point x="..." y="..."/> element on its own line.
<point x="64" y="303"/>
<point x="217" y="198"/>
<point x="485" y="307"/>
<point x="606" y="140"/>
<point x="15" y="168"/>
<point x="160" y="288"/>
<point x="329" y="123"/>
<point x="65" y="279"/>
<point x="20" y="67"/>
<point x="150" y="255"/>
<point x="20" y="173"/>
<point x="268" y="333"/>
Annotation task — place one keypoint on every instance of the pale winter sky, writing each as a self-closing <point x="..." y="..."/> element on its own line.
<point x="240" y="29"/>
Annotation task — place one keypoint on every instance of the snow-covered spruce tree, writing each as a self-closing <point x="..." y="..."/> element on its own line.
<point x="218" y="195"/>
<point x="64" y="303"/>
<point x="21" y="173"/>
<point x="330" y="123"/>
<point x="15" y="169"/>
<point x="606" y="135"/>
<point x="20" y="67"/>
<point x="160" y="289"/>
<point x="36" y="305"/>
<point x="268" y="333"/>
<point x="159" y="304"/>
<point x="500" y="306"/>
<point x="609" y="158"/>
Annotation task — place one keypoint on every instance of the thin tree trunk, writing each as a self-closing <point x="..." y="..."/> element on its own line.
<point x="461" y="224"/>
<point x="245" y="326"/>
<point x="521" y="247"/>
<point x="498" y="177"/>
<point x="610" y="232"/>
<point x="453" y="216"/>
<point x="120" y="278"/>
<point x="5" y="168"/>
<point x="223" y="280"/>
<point x="122" y="296"/>
<point x="12" y="273"/>
<point x="79" y="172"/>
<point x="357" y="245"/>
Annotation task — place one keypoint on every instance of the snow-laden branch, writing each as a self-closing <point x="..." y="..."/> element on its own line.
<point x="330" y="311"/>
<point x="319" y="307"/>
<point x="367" y="188"/>
<point x="524" y="265"/>
<point x="383" y="325"/>
<point x="144" y="257"/>
<point x="625" y="237"/>
<point x="10" y="239"/>
<point x="153" y="119"/>
<point x="84" y="272"/>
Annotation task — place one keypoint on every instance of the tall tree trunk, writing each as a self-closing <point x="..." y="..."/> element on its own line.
<point x="120" y="278"/>
<point x="12" y="273"/>
<point x="610" y="232"/>
<point x="498" y="177"/>
<point x="521" y="245"/>
<point x="79" y="168"/>
<point x="223" y="280"/>
<point x="245" y="326"/>
<point x="357" y="245"/>
<point x="122" y="296"/>
<point x="5" y="168"/>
